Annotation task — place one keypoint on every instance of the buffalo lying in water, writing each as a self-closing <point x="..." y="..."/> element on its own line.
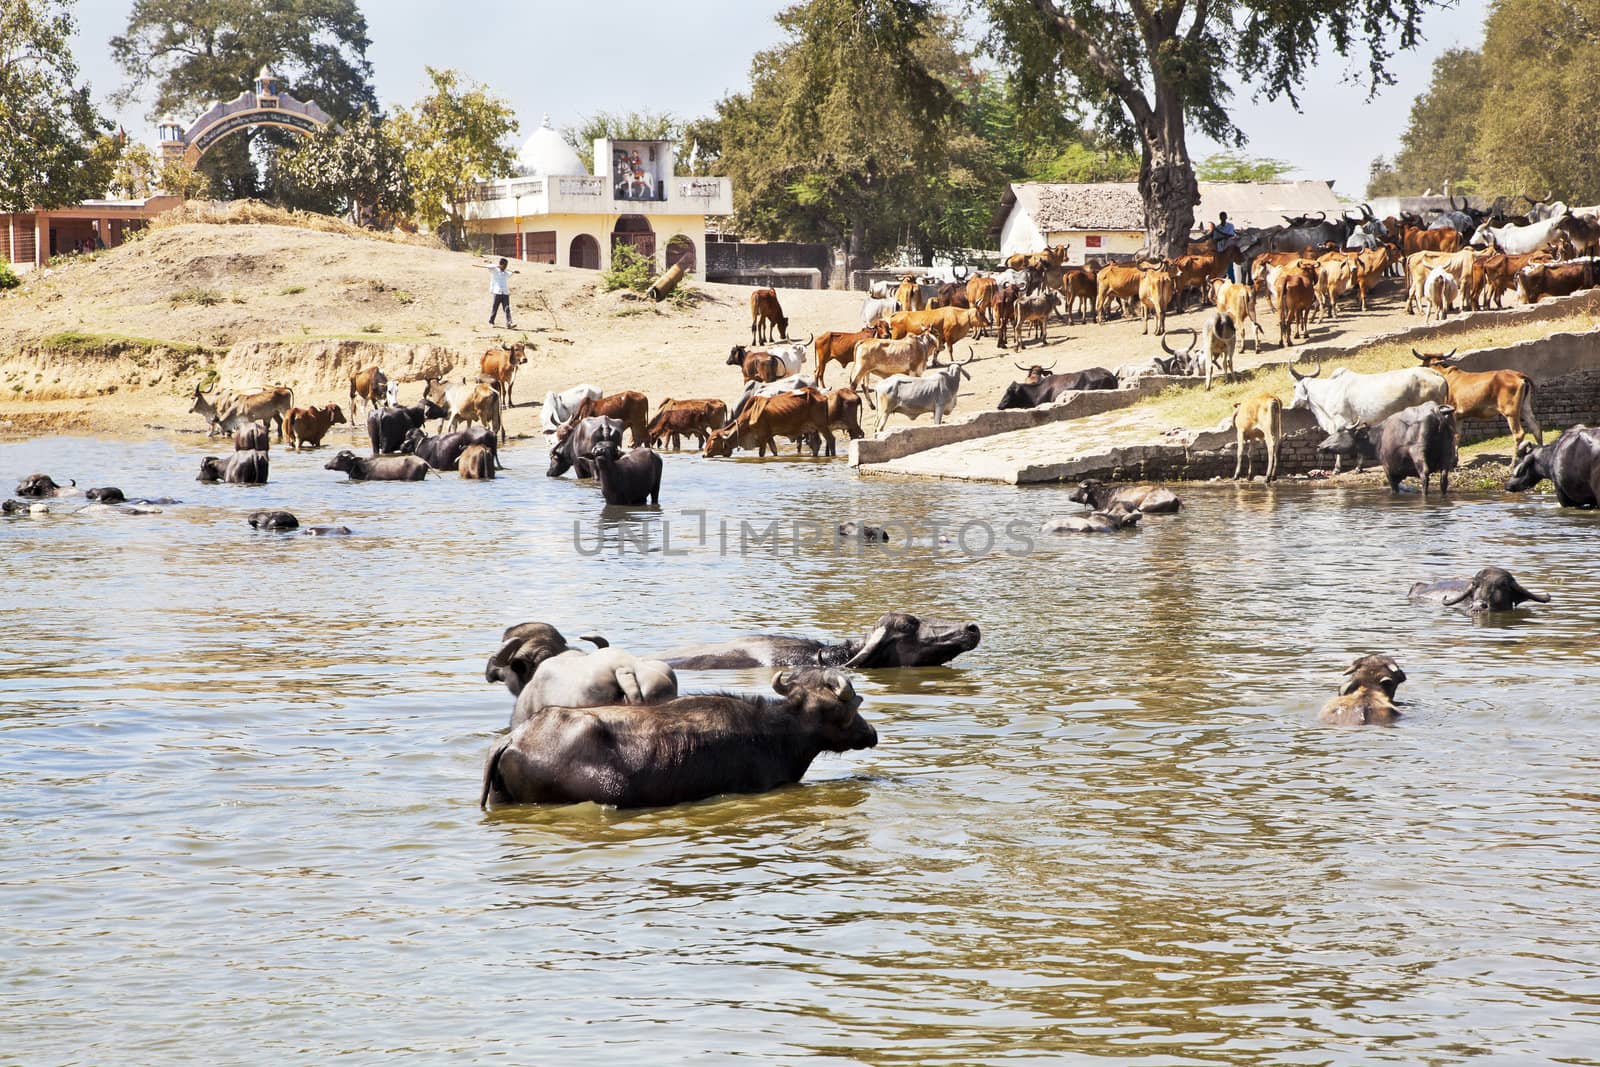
<point x="1367" y="693"/>
<point x="541" y="670"/>
<point x="274" y="520"/>
<point x="37" y="486"/>
<point x="1117" y="518"/>
<point x="862" y="531"/>
<point x="378" y="468"/>
<point x="1491" y="589"/>
<point x="686" y="749"/>
<point x="241" y="468"/>
<point x="1150" y="499"/>
<point x="899" y="639"/>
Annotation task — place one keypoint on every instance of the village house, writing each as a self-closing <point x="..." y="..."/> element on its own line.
<point x="1106" y="219"/>
<point x="29" y="238"/>
<point x="555" y="211"/>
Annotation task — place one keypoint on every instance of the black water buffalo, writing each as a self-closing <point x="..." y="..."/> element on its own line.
<point x="629" y="479"/>
<point x="109" y="494"/>
<point x="575" y="443"/>
<point x="1367" y="693"/>
<point x="1417" y="442"/>
<point x="1118" y="518"/>
<point x="387" y="426"/>
<point x="898" y="640"/>
<point x="1353" y="441"/>
<point x="862" y="531"/>
<point x="1048" y="389"/>
<point x="635" y="756"/>
<point x="1491" y="589"/>
<point x="241" y="468"/>
<point x="378" y="468"/>
<point x="252" y="437"/>
<point x="1150" y="499"/>
<point x="1572" y="463"/>
<point x="35" y="486"/>
<point x="273" y="520"/>
<point x="443" y="451"/>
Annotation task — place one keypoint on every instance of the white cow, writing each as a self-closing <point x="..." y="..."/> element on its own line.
<point x="1345" y="398"/>
<point x="1520" y="240"/>
<point x="935" y="391"/>
<point x="559" y="407"/>
<point x="878" y="308"/>
<point x="1439" y="292"/>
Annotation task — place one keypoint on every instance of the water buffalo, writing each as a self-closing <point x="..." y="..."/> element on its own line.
<point x="387" y="426"/>
<point x="862" y="531"/>
<point x="1118" y="518"/>
<point x="241" y="468"/>
<point x="36" y="486"/>
<point x="694" y="747"/>
<point x="1049" y="389"/>
<point x="1353" y="440"/>
<point x="1417" y="442"/>
<point x="575" y="443"/>
<point x="1367" y="693"/>
<point x="1150" y="499"/>
<point x="538" y="666"/>
<point x="273" y="520"/>
<point x="378" y="468"/>
<point x="252" y="437"/>
<point x="627" y="480"/>
<point x="107" y="495"/>
<point x="443" y="451"/>
<point x="1572" y="463"/>
<point x="899" y="639"/>
<point x="1491" y="589"/>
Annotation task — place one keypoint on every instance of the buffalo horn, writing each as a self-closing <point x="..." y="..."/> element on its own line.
<point x="1542" y="598"/>
<point x="1456" y="598"/>
<point x="1193" y="340"/>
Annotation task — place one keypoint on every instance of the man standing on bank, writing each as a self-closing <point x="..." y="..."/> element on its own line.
<point x="500" y="290"/>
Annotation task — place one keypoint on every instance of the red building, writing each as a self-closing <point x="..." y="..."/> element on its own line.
<point x="29" y="238"/>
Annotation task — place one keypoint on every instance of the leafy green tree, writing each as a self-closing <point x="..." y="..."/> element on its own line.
<point x="1440" y="141"/>
<point x="194" y="52"/>
<point x="621" y="126"/>
<point x="54" y="147"/>
<point x="358" y="168"/>
<point x="136" y="173"/>
<point x="453" y="138"/>
<point x="1234" y="167"/>
<point x="180" y="178"/>
<point x="1152" y="70"/>
<point x="1085" y="163"/>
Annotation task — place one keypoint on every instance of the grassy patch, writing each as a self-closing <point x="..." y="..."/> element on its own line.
<point x="194" y="294"/>
<point x="372" y="327"/>
<point x="629" y="270"/>
<point x="79" y="342"/>
<point x="1195" y="408"/>
<point x="291" y="290"/>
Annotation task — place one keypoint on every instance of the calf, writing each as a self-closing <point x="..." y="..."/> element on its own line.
<point x="1484" y="394"/>
<point x="679" y="418"/>
<point x="767" y="322"/>
<point x="1259" y="418"/>
<point x="500" y="366"/>
<point x="241" y="468"/>
<point x="840" y="347"/>
<point x="627" y="480"/>
<point x="308" y="426"/>
<point x="1036" y="310"/>
<point x="1297" y="296"/>
<point x="476" y="463"/>
<point x="1439" y="294"/>
<point x="694" y="747"/>
<point x="378" y="468"/>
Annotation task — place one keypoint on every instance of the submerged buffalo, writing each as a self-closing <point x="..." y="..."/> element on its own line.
<point x="1118" y="518"/>
<point x="1491" y="589"/>
<point x="378" y="468"/>
<point x="241" y="468"/>
<point x="628" y="480"/>
<point x="898" y="640"/>
<point x="273" y="520"/>
<point x="862" y="531"/>
<point x="1367" y="693"/>
<point x="37" y="486"/>
<point x="687" y="749"/>
<point x="542" y="670"/>
<point x="108" y="494"/>
<point x="1572" y="464"/>
<point x="1150" y="499"/>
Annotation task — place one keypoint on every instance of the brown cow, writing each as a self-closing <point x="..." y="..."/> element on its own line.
<point x="1080" y="287"/>
<point x="476" y="463"/>
<point x="1539" y="280"/>
<point x="1239" y="301"/>
<point x="1260" y="418"/>
<point x="950" y="324"/>
<point x="766" y="314"/>
<point x="844" y="412"/>
<point x="1155" y="296"/>
<point x="370" y="385"/>
<point x="631" y="406"/>
<point x="908" y="355"/>
<point x="980" y="295"/>
<point x="797" y="415"/>
<point x="308" y="426"/>
<point x="1005" y="306"/>
<point x="839" y="346"/>
<point x="1197" y="272"/>
<point x="679" y="418"/>
<point x="950" y="295"/>
<point x="499" y="365"/>
<point x="1116" y="281"/>
<point x="1485" y="394"/>
<point x="1417" y="239"/>
<point x="1296" y="297"/>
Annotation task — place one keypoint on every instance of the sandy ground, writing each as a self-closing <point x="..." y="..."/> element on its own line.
<point x="304" y="308"/>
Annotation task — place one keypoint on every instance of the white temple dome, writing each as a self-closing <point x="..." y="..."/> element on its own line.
<point x="547" y="153"/>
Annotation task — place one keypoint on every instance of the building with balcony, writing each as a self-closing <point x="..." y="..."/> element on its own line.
<point x="555" y="212"/>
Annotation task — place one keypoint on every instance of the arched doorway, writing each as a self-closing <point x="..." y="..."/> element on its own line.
<point x="585" y="252"/>
<point x="634" y="230"/>
<point x="681" y="250"/>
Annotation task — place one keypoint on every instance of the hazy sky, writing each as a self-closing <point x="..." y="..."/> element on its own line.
<point x="570" y="59"/>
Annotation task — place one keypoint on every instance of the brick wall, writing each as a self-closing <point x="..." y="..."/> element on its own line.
<point x="742" y="259"/>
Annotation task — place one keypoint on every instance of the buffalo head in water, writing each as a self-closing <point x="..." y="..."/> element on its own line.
<point x="1491" y="589"/>
<point x="903" y="640"/>
<point x="42" y="485"/>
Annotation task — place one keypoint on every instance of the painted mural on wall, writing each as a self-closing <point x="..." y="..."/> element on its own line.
<point x="637" y="170"/>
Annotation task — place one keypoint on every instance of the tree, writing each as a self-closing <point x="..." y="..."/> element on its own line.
<point x="54" y="147"/>
<point x="1153" y="69"/>
<point x="1233" y="167"/>
<point x="1440" y="142"/>
<point x="621" y="126"/>
<point x="358" y="168"/>
<point x="193" y="52"/>
<point x="180" y="178"/>
<point x="136" y="174"/>
<point x="453" y="138"/>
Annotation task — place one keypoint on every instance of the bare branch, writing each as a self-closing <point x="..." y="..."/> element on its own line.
<point x="1115" y="77"/>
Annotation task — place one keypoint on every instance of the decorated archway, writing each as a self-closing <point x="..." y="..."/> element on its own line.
<point x="265" y="105"/>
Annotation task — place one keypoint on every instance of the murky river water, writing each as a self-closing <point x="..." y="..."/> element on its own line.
<point x="238" y="782"/>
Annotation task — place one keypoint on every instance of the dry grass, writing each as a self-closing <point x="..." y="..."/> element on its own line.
<point x="254" y="212"/>
<point x="1195" y="408"/>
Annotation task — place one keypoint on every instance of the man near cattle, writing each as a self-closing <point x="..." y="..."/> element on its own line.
<point x="500" y="292"/>
<point x="1225" y="235"/>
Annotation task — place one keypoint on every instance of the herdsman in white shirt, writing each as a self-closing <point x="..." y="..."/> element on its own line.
<point x="500" y="290"/>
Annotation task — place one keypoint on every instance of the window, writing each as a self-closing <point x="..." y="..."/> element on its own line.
<point x="1093" y="240"/>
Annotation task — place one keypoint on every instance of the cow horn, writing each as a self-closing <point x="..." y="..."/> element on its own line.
<point x="1542" y="598"/>
<point x="1297" y="376"/>
<point x="971" y="355"/>
<point x="808" y="340"/>
<point x="1021" y="368"/>
<point x="1366" y="211"/>
<point x="960" y="277"/>
<point x="1193" y="340"/>
<point x="1051" y="368"/>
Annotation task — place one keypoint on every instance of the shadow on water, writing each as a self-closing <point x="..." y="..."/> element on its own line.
<point x="243" y="768"/>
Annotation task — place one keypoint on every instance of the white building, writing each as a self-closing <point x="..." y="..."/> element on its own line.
<point x="554" y="211"/>
<point x="1107" y="218"/>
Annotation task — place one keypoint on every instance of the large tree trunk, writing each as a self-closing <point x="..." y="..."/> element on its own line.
<point x="1166" y="179"/>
